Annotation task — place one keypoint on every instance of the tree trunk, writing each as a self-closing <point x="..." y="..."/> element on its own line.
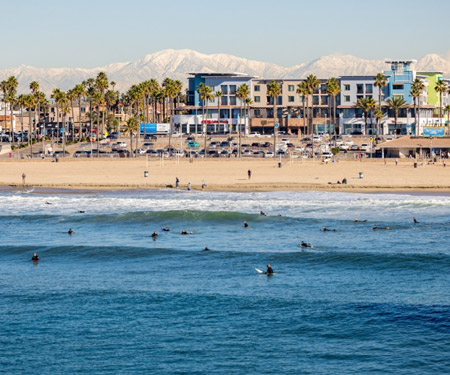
<point x="79" y="118"/>
<point x="30" y="127"/>
<point x="274" y="128"/>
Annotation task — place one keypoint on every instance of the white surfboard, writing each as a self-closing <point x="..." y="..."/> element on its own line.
<point x="259" y="271"/>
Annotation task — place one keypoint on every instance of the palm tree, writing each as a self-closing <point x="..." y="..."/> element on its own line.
<point x="380" y="82"/>
<point x="242" y="93"/>
<point x="366" y="105"/>
<point x="305" y="92"/>
<point x="396" y="103"/>
<point x="313" y="83"/>
<point x="4" y="89"/>
<point x="12" y="91"/>
<point x="219" y="95"/>
<point x="21" y="103"/>
<point x="30" y="103"/>
<point x="206" y="95"/>
<point x="274" y="91"/>
<point x="379" y="116"/>
<point x="131" y="127"/>
<point x="416" y="91"/>
<point x="440" y="88"/>
<point x="447" y="109"/>
<point x="333" y="89"/>
<point x="102" y="84"/>
<point x="79" y="92"/>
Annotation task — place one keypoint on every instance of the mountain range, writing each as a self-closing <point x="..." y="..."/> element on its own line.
<point x="177" y="64"/>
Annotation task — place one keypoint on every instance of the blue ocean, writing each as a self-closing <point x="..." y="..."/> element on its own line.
<point x="110" y="299"/>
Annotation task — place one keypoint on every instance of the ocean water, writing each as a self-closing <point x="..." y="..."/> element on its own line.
<point x="111" y="300"/>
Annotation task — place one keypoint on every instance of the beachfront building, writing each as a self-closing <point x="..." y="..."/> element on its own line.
<point x="198" y="116"/>
<point x="292" y="109"/>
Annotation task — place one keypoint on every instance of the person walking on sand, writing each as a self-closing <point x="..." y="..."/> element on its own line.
<point x="189" y="186"/>
<point x="203" y="184"/>
<point x="24" y="176"/>
<point x="177" y="182"/>
<point x="249" y="173"/>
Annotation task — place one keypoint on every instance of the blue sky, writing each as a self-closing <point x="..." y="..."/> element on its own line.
<point x="50" y="33"/>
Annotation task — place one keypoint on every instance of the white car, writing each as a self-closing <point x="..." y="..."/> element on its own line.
<point x="327" y="154"/>
<point x="343" y="147"/>
<point x="254" y="134"/>
<point x="269" y="154"/>
<point x="365" y="147"/>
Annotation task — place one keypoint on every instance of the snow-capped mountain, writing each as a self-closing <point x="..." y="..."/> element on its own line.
<point x="177" y="63"/>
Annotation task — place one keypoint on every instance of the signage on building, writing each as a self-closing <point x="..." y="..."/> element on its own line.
<point x="155" y="128"/>
<point x="433" y="131"/>
<point x="209" y="122"/>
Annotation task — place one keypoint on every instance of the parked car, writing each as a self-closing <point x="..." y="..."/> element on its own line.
<point x="224" y="144"/>
<point x="81" y="153"/>
<point x="269" y="154"/>
<point x="148" y="145"/>
<point x="193" y="144"/>
<point x="61" y="153"/>
<point x="254" y="134"/>
<point x="151" y="137"/>
<point x="224" y="153"/>
<point x="327" y="154"/>
<point x="354" y="148"/>
<point x="365" y="147"/>
<point x="343" y="147"/>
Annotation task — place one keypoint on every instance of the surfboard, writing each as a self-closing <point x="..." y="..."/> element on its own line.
<point x="259" y="271"/>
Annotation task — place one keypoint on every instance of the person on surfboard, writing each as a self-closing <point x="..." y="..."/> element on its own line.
<point x="269" y="270"/>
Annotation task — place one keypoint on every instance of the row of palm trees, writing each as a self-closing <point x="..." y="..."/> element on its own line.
<point x="103" y="99"/>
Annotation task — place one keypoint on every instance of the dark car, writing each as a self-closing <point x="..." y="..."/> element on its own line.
<point x="112" y="136"/>
<point x="152" y="152"/>
<point x="224" y="144"/>
<point x="150" y="136"/>
<point x="61" y="153"/>
<point x="356" y="133"/>
<point x="267" y="144"/>
<point x="256" y="144"/>
<point x="81" y="153"/>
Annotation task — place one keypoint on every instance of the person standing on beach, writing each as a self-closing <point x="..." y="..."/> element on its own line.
<point x="203" y="184"/>
<point x="249" y="173"/>
<point x="177" y="182"/>
<point x="189" y="186"/>
<point x="24" y="176"/>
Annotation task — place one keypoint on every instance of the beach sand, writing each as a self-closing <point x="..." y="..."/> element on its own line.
<point x="227" y="174"/>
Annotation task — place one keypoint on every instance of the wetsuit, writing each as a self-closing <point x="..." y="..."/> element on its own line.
<point x="269" y="270"/>
<point x="35" y="258"/>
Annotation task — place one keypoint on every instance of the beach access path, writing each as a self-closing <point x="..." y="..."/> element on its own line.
<point x="228" y="174"/>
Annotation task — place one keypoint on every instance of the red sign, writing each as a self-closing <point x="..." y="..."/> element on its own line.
<point x="209" y="122"/>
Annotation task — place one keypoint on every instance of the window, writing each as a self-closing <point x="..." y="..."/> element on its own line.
<point x="347" y="98"/>
<point x="280" y="100"/>
<point x="347" y="86"/>
<point x="290" y="99"/>
<point x="83" y="109"/>
<point x="347" y="113"/>
<point x="224" y="89"/>
<point x="212" y="87"/>
<point x="369" y="88"/>
<point x="257" y="88"/>
<point x="257" y="112"/>
<point x="323" y="88"/>
<point x="291" y="88"/>
<point x="397" y="86"/>
<point x="301" y="99"/>
<point x="224" y="100"/>
<point x="233" y="90"/>
<point x="359" y="88"/>
<point x="368" y="96"/>
<point x="324" y="99"/>
<point x="359" y="97"/>
<point x="257" y="99"/>
<point x="316" y="100"/>
<point x="232" y="99"/>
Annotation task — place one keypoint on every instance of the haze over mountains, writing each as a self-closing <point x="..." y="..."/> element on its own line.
<point x="177" y="63"/>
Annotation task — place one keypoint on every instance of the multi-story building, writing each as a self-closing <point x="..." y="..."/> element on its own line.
<point x="293" y="110"/>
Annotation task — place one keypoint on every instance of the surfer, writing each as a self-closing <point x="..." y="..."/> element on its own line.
<point x="245" y="224"/>
<point x="47" y="203"/>
<point x="71" y="231"/>
<point x="165" y="229"/>
<point x="81" y="212"/>
<point x="304" y="244"/>
<point x="154" y="235"/>
<point x="206" y="248"/>
<point x="415" y="221"/>
<point x="35" y="257"/>
<point x="360" y="221"/>
<point x="262" y="213"/>
<point x="383" y="228"/>
<point x="269" y="270"/>
<point x="184" y="232"/>
<point x="325" y="229"/>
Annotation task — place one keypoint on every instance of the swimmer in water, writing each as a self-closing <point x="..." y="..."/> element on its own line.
<point x="81" y="212"/>
<point x="360" y="221"/>
<point x="154" y="235"/>
<point x="183" y="232"/>
<point x="415" y="221"/>
<point x="325" y="229"/>
<point x="35" y="257"/>
<point x="304" y="244"/>
<point x="166" y="229"/>
<point x="245" y="224"/>
<point x="262" y="213"/>
<point x="269" y="270"/>
<point x="206" y="248"/>
<point x="47" y="203"/>
<point x="71" y="231"/>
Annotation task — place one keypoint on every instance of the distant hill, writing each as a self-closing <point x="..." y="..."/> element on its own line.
<point x="177" y="63"/>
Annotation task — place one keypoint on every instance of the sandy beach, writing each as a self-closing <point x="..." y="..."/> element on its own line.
<point x="230" y="174"/>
